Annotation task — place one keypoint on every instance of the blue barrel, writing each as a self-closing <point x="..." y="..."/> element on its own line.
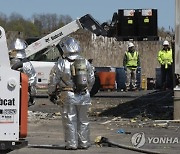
<point x="158" y="78"/>
<point x="138" y="77"/>
<point x="120" y="78"/>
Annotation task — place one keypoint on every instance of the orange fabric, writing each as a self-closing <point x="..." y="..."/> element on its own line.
<point x="107" y="79"/>
<point x="24" y="106"/>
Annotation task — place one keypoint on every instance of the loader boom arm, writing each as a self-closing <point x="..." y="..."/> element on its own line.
<point x="86" y="22"/>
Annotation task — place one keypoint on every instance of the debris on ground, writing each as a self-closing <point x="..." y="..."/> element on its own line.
<point x="36" y="115"/>
<point x="103" y="141"/>
<point x="155" y="105"/>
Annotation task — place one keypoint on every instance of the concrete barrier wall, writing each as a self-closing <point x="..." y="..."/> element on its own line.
<point x="109" y="52"/>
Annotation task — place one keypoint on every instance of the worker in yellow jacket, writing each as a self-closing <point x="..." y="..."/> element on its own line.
<point x="165" y="59"/>
<point x="130" y="62"/>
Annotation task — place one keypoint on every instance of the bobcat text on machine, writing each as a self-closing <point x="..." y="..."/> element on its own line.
<point x="14" y="85"/>
<point x="13" y="102"/>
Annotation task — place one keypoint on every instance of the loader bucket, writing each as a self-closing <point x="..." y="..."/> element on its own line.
<point x="89" y="23"/>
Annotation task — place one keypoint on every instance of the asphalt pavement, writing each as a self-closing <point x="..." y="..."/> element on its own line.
<point x="120" y="122"/>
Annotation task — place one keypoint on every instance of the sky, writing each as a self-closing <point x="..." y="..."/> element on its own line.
<point x="101" y="10"/>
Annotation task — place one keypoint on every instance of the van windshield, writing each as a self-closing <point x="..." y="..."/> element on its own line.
<point x="46" y="55"/>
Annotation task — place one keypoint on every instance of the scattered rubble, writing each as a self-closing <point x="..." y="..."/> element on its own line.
<point x="155" y="105"/>
<point x="36" y="115"/>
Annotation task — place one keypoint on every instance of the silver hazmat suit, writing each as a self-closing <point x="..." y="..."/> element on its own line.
<point x="73" y="105"/>
<point x="31" y="73"/>
<point x="19" y="62"/>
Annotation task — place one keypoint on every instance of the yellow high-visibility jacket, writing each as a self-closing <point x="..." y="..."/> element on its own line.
<point x="132" y="59"/>
<point x="165" y="57"/>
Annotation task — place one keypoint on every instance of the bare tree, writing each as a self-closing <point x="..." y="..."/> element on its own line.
<point x="64" y="19"/>
<point x="47" y="23"/>
<point x="3" y="20"/>
<point x="15" y="16"/>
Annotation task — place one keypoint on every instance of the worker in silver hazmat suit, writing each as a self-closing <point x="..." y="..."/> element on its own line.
<point x="70" y="81"/>
<point x="20" y="62"/>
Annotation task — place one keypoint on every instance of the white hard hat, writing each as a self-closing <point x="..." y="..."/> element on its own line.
<point x="165" y="42"/>
<point x="130" y="45"/>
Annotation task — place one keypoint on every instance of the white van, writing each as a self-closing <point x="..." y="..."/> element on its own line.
<point x="43" y="62"/>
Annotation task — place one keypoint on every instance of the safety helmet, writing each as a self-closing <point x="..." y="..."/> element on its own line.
<point x="19" y="46"/>
<point x="70" y="48"/>
<point x="130" y="45"/>
<point x="165" y="42"/>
